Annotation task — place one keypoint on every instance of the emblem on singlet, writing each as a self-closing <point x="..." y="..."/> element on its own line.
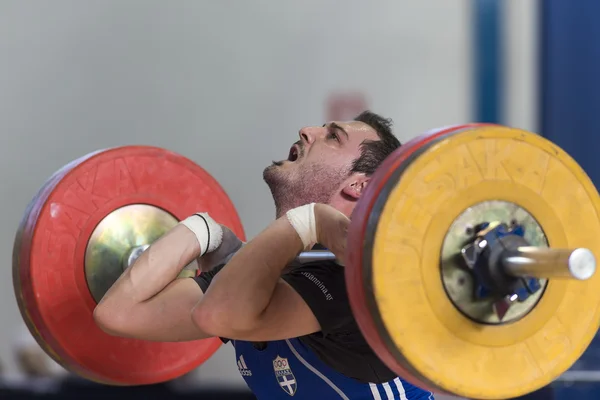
<point x="284" y="375"/>
<point x="243" y="368"/>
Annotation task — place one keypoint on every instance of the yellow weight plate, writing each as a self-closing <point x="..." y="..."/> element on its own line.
<point x="427" y="331"/>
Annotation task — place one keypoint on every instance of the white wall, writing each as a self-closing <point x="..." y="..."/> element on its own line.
<point x="226" y="83"/>
<point x="521" y="35"/>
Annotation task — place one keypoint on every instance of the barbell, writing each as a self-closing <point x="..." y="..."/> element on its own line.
<point x="470" y="266"/>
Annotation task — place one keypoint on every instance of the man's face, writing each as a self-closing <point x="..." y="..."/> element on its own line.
<point x="317" y="165"/>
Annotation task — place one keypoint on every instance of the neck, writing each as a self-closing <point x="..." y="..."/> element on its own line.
<point x="342" y="205"/>
<point x="287" y="201"/>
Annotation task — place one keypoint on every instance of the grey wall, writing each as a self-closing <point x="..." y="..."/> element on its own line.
<point x="226" y="83"/>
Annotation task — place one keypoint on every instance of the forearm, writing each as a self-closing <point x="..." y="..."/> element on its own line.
<point x="158" y="266"/>
<point x="242" y="290"/>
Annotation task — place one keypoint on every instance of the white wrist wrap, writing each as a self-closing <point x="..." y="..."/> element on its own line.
<point x="207" y="231"/>
<point x="303" y="220"/>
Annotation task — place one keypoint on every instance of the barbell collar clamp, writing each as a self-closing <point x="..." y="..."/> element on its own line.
<point x="133" y="255"/>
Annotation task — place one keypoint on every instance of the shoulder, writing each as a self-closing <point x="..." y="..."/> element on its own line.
<point x="326" y="278"/>
<point x="328" y="270"/>
<point x="322" y="286"/>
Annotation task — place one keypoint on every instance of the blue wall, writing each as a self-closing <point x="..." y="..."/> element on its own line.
<point x="570" y="79"/>
<point x="570" y="117"/>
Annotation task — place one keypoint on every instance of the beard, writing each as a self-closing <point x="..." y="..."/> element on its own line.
<point x="294" y="187"/>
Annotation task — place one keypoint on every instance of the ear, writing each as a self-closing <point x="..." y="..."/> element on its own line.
<point x="355" y="186"/>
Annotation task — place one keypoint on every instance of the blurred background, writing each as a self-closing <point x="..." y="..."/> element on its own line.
<point x="229" y="83"/>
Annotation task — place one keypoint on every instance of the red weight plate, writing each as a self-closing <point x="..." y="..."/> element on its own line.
<point x="360" y="294"/>
<point x="48" y="258"/>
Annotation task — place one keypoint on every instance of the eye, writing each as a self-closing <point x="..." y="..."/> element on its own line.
<point x="333" y="135"/>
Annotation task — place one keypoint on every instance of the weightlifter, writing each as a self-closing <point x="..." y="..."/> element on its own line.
<point x="291" y="324"/>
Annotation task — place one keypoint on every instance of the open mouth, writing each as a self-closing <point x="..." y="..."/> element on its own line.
<point x="293" y="155"/>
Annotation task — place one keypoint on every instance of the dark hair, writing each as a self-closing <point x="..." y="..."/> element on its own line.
<point x="373" y="152"/>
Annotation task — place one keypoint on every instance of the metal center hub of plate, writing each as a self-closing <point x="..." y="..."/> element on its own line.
<point x="112" y="242"/>
<point x="459" y="283"/>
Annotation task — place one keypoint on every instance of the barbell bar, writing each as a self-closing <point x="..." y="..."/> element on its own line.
<point x="545" y="263"/>
<point x="472" y="248"/>
<point x="536" y="262"/>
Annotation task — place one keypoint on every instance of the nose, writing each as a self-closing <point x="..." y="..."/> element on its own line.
<point x="308" y="134"/>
